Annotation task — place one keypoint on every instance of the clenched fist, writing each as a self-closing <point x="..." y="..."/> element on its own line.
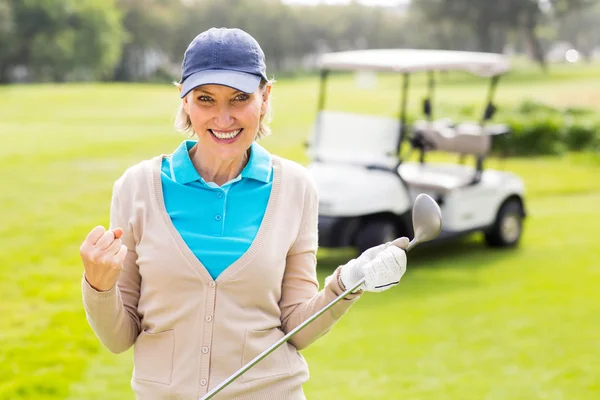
<point x="103" y="254"/>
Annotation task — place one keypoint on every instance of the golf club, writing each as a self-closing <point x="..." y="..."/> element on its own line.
<point x="427" y="225"/>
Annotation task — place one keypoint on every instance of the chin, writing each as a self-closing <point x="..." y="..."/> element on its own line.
<point x="232" y="152"/>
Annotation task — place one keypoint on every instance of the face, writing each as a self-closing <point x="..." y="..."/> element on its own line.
<point x="225" y="120"/>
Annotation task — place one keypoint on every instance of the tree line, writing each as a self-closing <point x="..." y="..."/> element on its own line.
<point x="132" y="40"/>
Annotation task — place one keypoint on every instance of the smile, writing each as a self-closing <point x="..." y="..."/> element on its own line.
<point x="225" y="135"/>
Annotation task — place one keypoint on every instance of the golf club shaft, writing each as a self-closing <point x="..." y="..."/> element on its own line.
<point x="275" y="345"/>
<point x="412" y="244"/>
<point x="427" y="222"/>
<point x="289" y="335"/>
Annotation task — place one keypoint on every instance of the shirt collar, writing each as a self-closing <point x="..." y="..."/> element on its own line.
<point x="183" y="170"/>
<point x="259" y="164"/>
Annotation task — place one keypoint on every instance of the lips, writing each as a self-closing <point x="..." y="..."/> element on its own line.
<point x="225" y="135"/>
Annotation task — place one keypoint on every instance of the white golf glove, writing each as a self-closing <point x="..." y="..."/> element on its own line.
<point x="382" y="267"/>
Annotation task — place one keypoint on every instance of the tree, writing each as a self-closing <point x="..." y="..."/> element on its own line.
<point x="530" y="14"/>
<point x="581" y="29"/>
<point x="487" y="20"/>
<point x="491" y="21"/>
<point x="62" y="39"/>
<point x="150" y="26"/>
<point x="6" y="42"/>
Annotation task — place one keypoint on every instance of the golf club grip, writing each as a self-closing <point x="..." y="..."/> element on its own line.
<point x="281" y="341"/>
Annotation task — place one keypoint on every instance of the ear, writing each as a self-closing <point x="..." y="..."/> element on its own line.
<point x="186" y="104"/>
<point x="184" y="101"/>
<point x="265" y="99"/>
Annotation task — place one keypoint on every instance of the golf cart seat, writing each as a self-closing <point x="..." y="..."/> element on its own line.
<point x="463" y="138"/>
<point x="469" y="138"/>
<point x="436" y="178"/>
<point x="475" y="128"/>
<point x="466" y="138"/>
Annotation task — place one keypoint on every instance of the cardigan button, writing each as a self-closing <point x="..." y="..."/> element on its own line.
<point x="208" y="318"/>
<point x="203" y="382"/>
<point x="205" y="349"/>
<point x="212" y="284"/>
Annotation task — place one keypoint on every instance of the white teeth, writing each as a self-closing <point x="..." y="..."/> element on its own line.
<point x="225" y="135"/>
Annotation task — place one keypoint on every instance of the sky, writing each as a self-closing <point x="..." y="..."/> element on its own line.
<point x="365" y="2"/>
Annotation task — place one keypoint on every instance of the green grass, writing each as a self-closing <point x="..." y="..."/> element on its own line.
<point x="467" y="322"/>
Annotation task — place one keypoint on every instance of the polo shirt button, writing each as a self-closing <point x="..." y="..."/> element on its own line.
<point x="218" y="217"/>
<point x="205" y="349"/>
<point x="203" y="382"/>
<point x="208" y="318"/>
<point x="219" y="194"/>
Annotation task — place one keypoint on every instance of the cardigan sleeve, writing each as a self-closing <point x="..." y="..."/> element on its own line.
<point x="300" y="297"/>
<point x="113" y="314"/>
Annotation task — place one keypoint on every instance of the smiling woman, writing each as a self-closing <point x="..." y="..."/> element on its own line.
<point x="210" y="257"/>
<point x="225" y="122"/>
<point x="183" y="122"/>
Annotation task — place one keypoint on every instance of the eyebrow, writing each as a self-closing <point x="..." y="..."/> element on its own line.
<point x="208" y="92"/>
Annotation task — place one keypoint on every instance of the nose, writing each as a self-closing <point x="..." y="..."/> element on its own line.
<point x="223" y="118"/>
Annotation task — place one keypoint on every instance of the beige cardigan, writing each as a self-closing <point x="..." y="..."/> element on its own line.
<point x="190" y="332"/>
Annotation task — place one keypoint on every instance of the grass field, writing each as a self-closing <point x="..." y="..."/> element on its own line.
<point x="466" y="322"/>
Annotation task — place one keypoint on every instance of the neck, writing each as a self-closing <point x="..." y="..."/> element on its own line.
<point x="214" y="169"/>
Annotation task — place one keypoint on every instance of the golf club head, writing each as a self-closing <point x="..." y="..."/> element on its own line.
<point x="427" y="219"/>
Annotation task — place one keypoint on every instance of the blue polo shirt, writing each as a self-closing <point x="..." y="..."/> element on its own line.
<point x="218" y="224"/>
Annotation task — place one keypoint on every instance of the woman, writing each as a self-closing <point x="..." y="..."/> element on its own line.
<point x="211" y="253"/>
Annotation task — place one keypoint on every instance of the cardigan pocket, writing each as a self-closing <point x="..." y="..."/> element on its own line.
<point x="274" y="364"/>
<point x="153" y="357"/>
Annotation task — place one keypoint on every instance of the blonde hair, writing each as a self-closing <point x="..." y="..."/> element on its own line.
<point x="184" y="124"/>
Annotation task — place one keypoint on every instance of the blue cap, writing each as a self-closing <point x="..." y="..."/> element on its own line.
<point x="223" y="56"/>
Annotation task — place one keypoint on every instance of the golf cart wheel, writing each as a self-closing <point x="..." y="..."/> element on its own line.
<point x="374" y="233"/>
<point x="508" y="227"/>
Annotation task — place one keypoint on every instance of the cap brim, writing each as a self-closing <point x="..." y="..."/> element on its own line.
<point x="244" y="82"/>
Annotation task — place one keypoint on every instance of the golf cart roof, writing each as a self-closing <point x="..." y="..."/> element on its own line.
<point x="416" y="60"/>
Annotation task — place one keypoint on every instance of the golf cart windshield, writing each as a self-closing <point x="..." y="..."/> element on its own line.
<point x="356" y="139"/>
<point x="376" y="141"/>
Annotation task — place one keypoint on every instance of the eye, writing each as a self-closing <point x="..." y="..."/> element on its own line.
<point x="205" y="99"/>
<point x="241" y="97"/>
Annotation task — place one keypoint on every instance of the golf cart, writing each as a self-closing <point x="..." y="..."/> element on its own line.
<point x="367" y="188"/>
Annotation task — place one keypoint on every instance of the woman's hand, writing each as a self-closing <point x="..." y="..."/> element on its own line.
<point x="103" y="254"/>
<point x="382" y="267"/>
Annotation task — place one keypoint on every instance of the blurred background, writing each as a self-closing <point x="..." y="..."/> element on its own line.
<point x="86" y="91"/>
